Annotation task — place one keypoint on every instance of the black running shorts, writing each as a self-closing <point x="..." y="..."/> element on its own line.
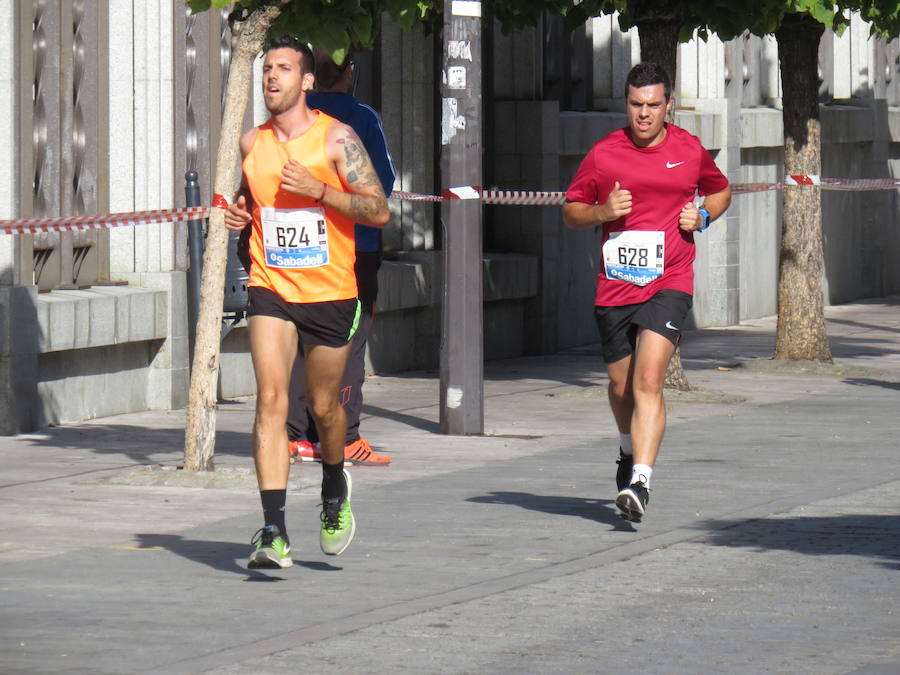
<point x="332" y="324"/>
<point x="664" y="314"/>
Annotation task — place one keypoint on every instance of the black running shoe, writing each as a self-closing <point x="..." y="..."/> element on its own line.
<point x="623" y="472"/>
<point x="632" y="501"/>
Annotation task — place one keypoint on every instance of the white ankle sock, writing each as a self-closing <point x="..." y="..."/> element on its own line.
<point x="641" y="474"/>
<point x="625" y="443"/>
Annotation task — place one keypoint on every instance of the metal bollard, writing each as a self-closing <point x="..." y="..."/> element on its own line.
<point x="195" y="256"/>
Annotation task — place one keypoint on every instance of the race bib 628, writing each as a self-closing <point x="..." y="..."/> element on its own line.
<point x="634" y="256"/>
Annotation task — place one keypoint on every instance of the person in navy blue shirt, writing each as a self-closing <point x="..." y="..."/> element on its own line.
<point x="332" y="96"/>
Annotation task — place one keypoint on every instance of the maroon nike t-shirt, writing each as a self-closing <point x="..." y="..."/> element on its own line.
<point x="648" y="251"/>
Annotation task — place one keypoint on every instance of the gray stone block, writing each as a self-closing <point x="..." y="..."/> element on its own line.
<point x="503" y="334"/>
<point x="161" y="323"/>
<point x="704" y="125"/>
<point x="600" y="124"/>
<point x="761" y="128"/>
<point x="571" y="133"/>
<point x="508" y="276"/>
<point x="102" y="320"/>
<point x="61" y="327"/>
<point x="507" y="171"/>
<point x="540" y="172"/>
<point x="7" y="320"/>
<point x="411" y="281"/>
<point x="19" y="344"/>
<point x="893" y="124"/>
<point x="846" y="124"/>
<point x="236" y="376"/>
<point x="142" y="317"/>
<point x="81" y="302"/>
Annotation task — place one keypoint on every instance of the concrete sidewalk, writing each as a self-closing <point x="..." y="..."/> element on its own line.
<point x="771" y="543"/>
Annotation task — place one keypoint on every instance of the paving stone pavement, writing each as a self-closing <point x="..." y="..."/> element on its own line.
<point x="771" y="543"/>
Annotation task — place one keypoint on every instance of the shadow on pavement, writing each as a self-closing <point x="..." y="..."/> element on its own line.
<point x="401" y="417"/>
<point x="864" y="326"/>
<point x="141" y="444"/>
<point x="704" y="348"/>
<point x="598" y="510"/>
<point x="869" y="382"/>
<point x="226" y="556"/>
<point x="581" y="367"/>
<point x="869" y="536"/>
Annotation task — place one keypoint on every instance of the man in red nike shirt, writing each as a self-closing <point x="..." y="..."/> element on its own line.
<point x="642" y="184"/>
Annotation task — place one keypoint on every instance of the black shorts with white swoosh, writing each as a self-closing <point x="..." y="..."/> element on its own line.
<point x="665" y="313"/>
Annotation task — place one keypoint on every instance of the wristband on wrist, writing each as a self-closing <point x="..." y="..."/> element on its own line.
<point x="705" y="215"/>
<point x="322" y="196"/>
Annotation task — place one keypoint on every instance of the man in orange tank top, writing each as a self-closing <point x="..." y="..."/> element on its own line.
<point x="307" y="180"/>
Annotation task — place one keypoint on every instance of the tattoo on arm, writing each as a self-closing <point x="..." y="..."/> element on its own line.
<point x="366" y="193"/>
<point x="363" y="207"/>
<point x="360" y="172"/>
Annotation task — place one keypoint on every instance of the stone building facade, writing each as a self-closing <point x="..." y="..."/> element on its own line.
<point x="106" y="105"/>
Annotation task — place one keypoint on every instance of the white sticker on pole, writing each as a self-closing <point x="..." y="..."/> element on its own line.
<point x="454" y="397"/>
<point x="450" y="121"/>
<point x="459" y="49"/>
<point x="456" y="77"/>
<point x="466" y="8"/>
<point x="465" y="192"/>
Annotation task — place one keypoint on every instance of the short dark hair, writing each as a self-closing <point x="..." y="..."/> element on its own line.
<point x="647" y="74"/>
<point x="307" y="60"/>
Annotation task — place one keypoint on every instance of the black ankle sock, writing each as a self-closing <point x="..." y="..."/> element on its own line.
<point x="333" y="484"/>
<point x="273" y="502"/>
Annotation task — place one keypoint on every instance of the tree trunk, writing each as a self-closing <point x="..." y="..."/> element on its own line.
<point x="675" y="376"/>
<point x="200" y="428"/>
<point x="800" y="332"/>
<point x="659" y="43"/>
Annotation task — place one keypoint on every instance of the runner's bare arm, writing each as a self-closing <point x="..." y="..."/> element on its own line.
<point x="715" y="204"/>
<point x="366" y="204"/>
<point x="238" y="215"/>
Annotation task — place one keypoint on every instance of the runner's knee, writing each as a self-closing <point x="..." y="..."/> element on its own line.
<point x="648" y="383"/>
<point x="325" y="409"/>
<point x="271" y="402"/>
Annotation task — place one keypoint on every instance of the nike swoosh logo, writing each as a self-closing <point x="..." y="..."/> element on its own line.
<point x="671" y="165"/>
<point x="670" y="326"/>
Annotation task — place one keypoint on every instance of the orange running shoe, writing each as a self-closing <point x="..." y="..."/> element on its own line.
<point x="360" y="452"/>
<point x="304" y="451"/>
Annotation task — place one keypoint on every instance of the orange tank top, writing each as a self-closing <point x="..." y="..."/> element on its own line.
<point x="299" y="249"/>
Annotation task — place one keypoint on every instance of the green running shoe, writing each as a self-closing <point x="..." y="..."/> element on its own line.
<point x="338" y="524"/>
<point x="272" y="550"/>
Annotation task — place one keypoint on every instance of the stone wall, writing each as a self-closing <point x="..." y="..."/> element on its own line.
<point x="121" y="345"/>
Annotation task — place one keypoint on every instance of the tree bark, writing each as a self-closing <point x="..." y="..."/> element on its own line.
<point x="200" y="427"/>
<point x="800" y="332"/>
<point x="659" y="43"/>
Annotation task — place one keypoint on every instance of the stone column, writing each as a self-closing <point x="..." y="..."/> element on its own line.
<point x="18" y="316"/>
<point x="724" y="235"/>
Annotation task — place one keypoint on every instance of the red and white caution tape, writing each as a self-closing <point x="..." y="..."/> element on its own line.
<point x="846" y="184"/>
<point x="499" y="197"/>
<point x="99" y="222"/>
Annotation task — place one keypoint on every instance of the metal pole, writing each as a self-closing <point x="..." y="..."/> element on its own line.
<point x="195" y="256"/>
<point x="462" y="342"/>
